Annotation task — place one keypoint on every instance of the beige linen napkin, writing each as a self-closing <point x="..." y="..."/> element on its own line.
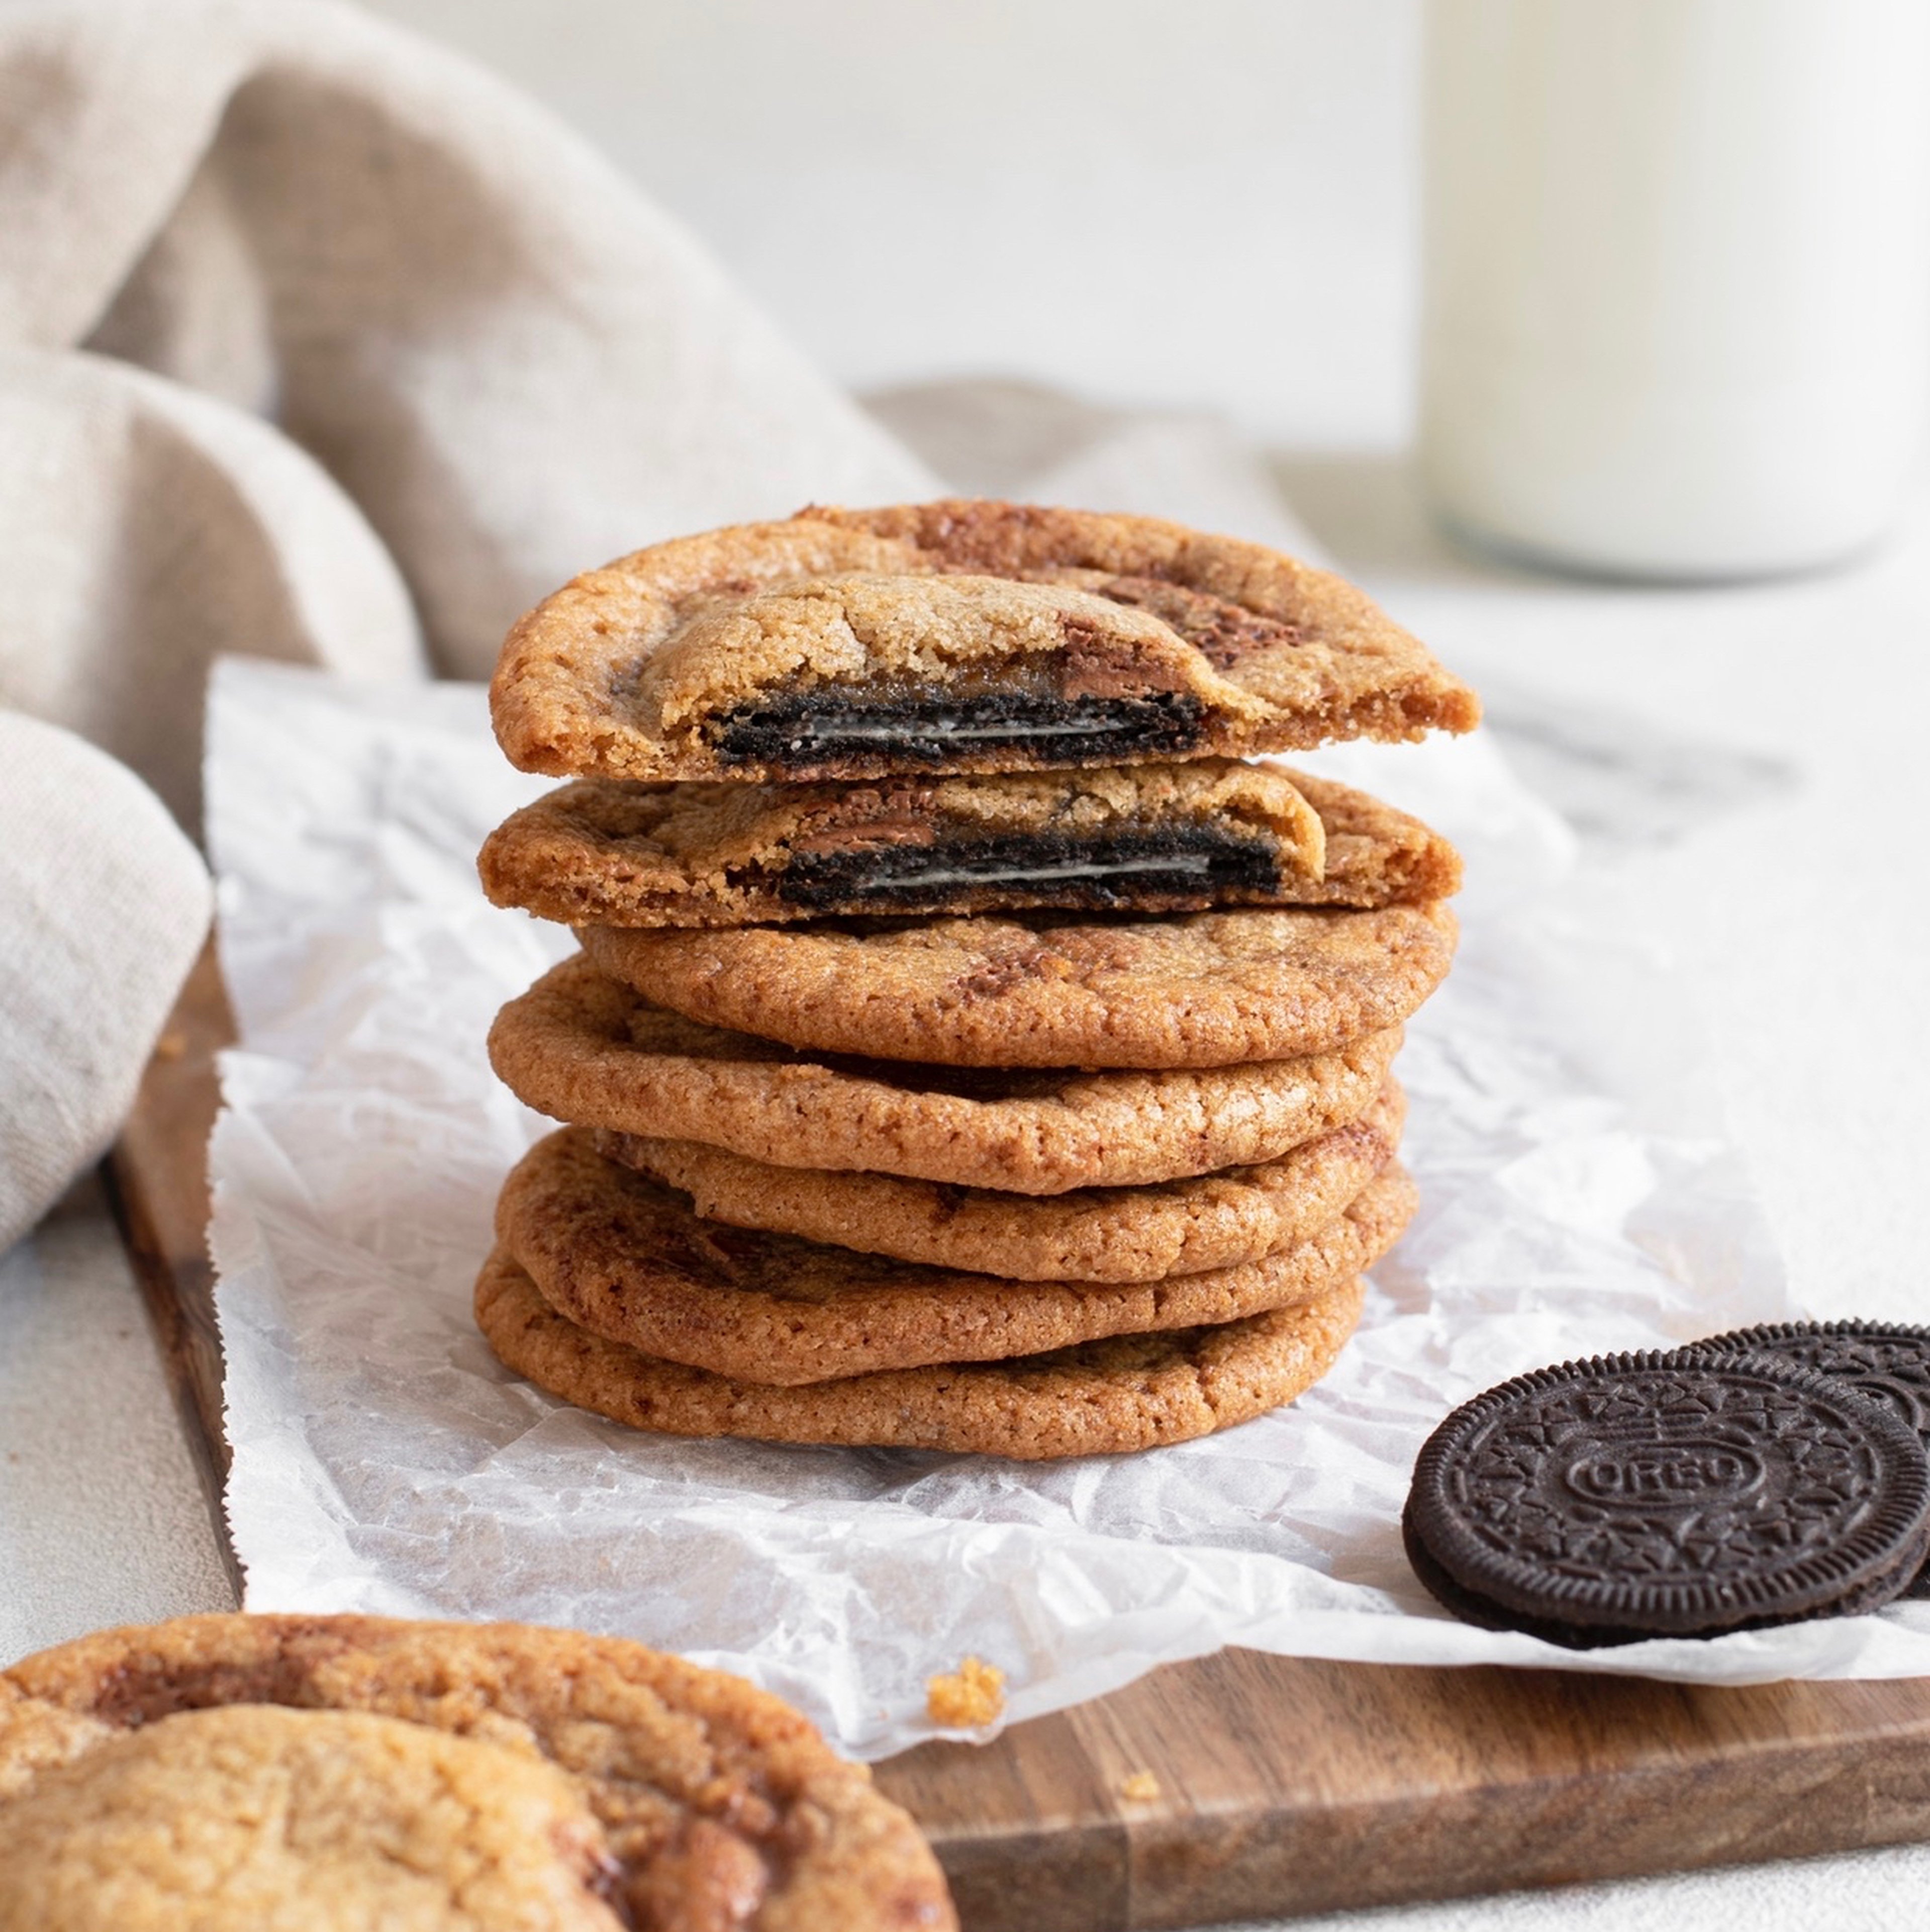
<point x="316" y="343"/>
<point x="99" y="930"/>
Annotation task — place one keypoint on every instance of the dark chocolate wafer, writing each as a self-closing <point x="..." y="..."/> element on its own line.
<point x="1632" y="1496"/>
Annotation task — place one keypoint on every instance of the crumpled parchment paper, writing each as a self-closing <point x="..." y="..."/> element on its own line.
<point x="1575" y="1201"/>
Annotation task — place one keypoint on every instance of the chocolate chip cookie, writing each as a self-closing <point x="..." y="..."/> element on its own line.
<point x="1097" y="1233"/>
<point x="1205" y="989"/>
<point x="248" y="1815"/>
<point x="626" y="1258"/>
<point x="579" y="1046"/>
<point x="1128" y="1392"/>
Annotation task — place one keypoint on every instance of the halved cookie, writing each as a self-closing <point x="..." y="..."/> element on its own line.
<point x="1135" y="838"/>
<point x="580" y="1046"/>
<point x="958" y="636"/>
<point x="1218" y="1220"/>
<point x="1202" y="989"/>
<point x="628" y="1260"/>
<point x="1128" y="1392"/>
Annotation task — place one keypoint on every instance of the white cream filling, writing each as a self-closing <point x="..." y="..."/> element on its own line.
<point x="886" y="730"/>
<point x="1047" y="875"/>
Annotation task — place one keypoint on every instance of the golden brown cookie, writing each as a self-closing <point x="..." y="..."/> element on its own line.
<point x="1150" y="837"/>
<point x="578" y="1046"/>
<point x="247" y="1816"/>
<point x="1205" y="989"/>
<point x="626" y="1259"/>
<point x="1129" y="1392"/>
<point x="1093" y="1234"/>
<point x="1137" y="837"/>
<point x="1373" y="856"/>
<point x="958" y="636"/>
<point x="666" y="1794"/>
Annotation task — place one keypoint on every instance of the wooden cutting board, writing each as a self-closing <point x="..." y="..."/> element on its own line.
<point x="1284" y="1786"/>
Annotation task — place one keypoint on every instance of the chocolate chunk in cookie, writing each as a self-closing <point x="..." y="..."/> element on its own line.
<point x="952" y="637"/>
<point x="1634" y="1496"/>
<point x="1141" y="837"/>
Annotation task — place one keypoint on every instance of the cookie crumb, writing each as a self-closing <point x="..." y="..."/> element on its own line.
<point x="972" y="1696"/>
<point x="1142" y="1787"/>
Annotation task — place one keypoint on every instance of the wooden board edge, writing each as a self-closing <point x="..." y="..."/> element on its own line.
<point x="1464" y="1782"/>
<point x="156" y="1180"/>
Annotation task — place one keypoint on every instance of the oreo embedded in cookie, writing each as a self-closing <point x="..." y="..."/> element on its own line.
<point x="1887" y="1362"/>
<point x="1632" y="1496"/>
<point x="1138" y="838"/>
<point x="952" y="637"/>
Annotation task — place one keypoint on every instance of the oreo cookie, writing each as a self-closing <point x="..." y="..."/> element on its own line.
<point x="1632" y="1496"/>
<point x="1888" y="1363"/>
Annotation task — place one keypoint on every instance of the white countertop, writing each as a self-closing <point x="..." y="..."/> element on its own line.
<point x="1765" y="814"/>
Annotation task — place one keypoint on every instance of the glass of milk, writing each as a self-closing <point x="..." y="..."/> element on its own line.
<point x="1677" y="309"/>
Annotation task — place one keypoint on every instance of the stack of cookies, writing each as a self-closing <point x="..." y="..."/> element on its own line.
<point x="968" y="1049"/>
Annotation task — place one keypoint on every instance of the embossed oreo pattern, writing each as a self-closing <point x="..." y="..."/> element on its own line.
<point x="1889" y="1364"/>
<point x="1645" y="1495"/>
